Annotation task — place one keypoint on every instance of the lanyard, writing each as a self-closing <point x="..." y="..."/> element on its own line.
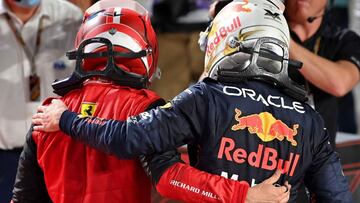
<point x="31" y="56"/>
<point x="317" y="46"/>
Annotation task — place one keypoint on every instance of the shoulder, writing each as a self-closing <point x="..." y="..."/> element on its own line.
<point x="61" y="10"/>
<point x="150" y="99"/>
<point x="206" y="85"/>
<point x="346" y="35"/>
<point x="144" y="99"/>
<point x="200" y="88"/>
<point x="150" y="94"/>
<point x="342" y="34"/>
<point x="342" y="44"/>
<point x="349" y="36"/>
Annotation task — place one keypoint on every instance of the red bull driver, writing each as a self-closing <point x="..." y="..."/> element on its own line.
<point x="243" y="121"/>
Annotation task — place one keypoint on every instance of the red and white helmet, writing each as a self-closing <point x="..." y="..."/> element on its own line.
<point x="126" y="24"/>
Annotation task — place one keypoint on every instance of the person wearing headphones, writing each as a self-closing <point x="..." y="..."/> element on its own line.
<point x="330" y="56"/>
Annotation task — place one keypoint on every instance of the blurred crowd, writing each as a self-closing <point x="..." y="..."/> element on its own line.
<point x="36" y="34"/>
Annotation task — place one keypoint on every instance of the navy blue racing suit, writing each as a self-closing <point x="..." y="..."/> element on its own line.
<point x="243" y="131"/>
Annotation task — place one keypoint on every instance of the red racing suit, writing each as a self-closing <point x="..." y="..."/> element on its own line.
<point x="73" y="172"/>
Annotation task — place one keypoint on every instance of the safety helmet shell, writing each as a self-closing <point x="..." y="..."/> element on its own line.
<point x="127" y="25"/>
<point x="243" y="20"/>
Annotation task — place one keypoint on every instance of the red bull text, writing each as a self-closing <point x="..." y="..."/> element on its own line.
<point x="264" y="158"/>
<point x="221" y="34"/>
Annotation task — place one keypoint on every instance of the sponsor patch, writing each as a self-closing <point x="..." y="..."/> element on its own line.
<point x="88" y="109"/>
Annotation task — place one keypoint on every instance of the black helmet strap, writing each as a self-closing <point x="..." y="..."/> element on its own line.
<point x="232" y="71"/>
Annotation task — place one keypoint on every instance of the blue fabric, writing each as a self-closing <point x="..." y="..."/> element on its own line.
<point x="9" y="162"/>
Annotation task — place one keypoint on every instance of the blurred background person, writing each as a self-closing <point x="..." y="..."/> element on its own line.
<point x="339" y="14"/>
<point x="178" y="24"/>
<point x="330" y="56"/>
<point x="34" y="37"/>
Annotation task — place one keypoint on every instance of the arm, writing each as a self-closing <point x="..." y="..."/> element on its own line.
<point x="336" y="78"/>
<point x="29" y="183"/>
<point x="325" y="177"/>
<point x="176" y="180"/>
<point x="329" y="183"/>
<point x="157" y="130"/>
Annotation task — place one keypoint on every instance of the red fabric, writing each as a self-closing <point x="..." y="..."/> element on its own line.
<point x="178" y="182"/>
<point x="77" y="173"/>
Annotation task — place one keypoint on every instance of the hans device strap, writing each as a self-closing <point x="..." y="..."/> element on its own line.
<point x="111" y="70"/>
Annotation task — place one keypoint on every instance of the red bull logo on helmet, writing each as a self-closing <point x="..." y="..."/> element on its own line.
<point x="221" y="34"/>
<point x="266" y="127"/>
<point x="221" y="30"/>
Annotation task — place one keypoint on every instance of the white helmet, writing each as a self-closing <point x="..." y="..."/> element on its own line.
<point x="243" y="20"/>
<point x="249" y="39"/>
